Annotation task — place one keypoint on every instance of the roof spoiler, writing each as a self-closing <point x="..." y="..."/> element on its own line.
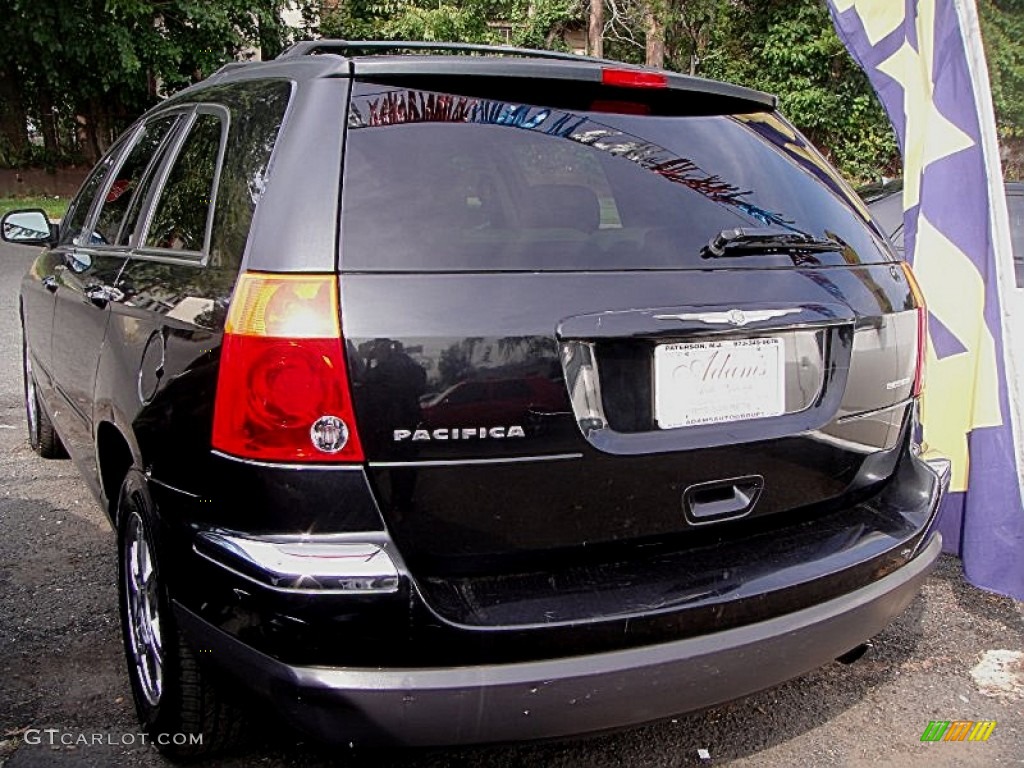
<point x="382" y="60"/>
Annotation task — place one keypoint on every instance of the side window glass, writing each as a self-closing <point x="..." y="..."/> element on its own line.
<point x="257" y="112"/>
<point x="183" y="210"/>
<point x="127" y="179"/>
<point x="78" y="215"/>
<point x="141" y="194"/>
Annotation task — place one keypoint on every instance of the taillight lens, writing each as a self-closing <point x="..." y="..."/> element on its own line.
<point x="282" y="390"/>
<point x="922" y="328"/>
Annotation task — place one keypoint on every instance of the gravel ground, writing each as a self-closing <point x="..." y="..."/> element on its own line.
<point x="61" y="665"/>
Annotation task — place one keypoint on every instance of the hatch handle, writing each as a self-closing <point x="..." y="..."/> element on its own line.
<point x="721" y="499"/>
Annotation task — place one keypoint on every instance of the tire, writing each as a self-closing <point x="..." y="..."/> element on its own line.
<point x="41" y="434"/>
<point x="173" y="695"/>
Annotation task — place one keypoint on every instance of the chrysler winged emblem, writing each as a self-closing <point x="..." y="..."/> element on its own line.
<point x="736" y="317"/>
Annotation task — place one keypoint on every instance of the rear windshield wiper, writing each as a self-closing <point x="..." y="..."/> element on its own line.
<point x="736" y="242"/>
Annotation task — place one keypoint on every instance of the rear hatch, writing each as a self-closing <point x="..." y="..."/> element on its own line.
<point x="576" y="330"/>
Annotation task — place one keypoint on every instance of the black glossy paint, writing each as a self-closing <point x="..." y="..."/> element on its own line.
<point x="588" y="602"/>
<point x="421" y="371"/>
<point x="523" y="528"/>
<point x="82" y="312"/>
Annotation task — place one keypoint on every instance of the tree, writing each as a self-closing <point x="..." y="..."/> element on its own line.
<point x="534" y="23"/>
<point x="791" y="49"/>
<point x="595" y="28"/>
<point x="83" y="69"/>
<point x="672" y="33"/>
<point x="654" y="34"/>
<point x="1002" y="26"/>
<point x="406" y="20"/>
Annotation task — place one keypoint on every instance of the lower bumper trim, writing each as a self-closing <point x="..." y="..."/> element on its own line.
<point x="316" y="564"/>
<point x="569" y="696"/>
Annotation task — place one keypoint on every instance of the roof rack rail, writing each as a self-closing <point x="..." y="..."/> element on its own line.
<point x="354" y="47"/>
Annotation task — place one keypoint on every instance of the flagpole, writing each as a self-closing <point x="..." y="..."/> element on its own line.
<point x="999" y="223"/>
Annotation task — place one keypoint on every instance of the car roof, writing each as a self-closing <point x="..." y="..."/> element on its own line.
<point x="312" y="59"/>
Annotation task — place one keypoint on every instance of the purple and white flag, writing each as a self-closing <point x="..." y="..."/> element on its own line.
<point x="925" y="61"/>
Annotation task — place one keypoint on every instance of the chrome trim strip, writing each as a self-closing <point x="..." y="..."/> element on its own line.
<point x="291" y="590"/>
<point x="734" y="317"/>
<point x="170" y="487"/>
<point x="875" y="412"/>
<point x="311" y="564"/>
<point x="463" y="462"/>
<point x="579" y="367"/>
<point x="839" y="442"/>
<point x="275" y="465"/>
<point x="377" y="538"/>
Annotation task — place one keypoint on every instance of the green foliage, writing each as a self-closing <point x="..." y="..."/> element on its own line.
<point x="543" y="23"/>
<point x="537" y="24"/>
<point x="791" y="49"/>
<point x="407" y="20"/>
<point x="1002" y="26"/>
<point x="1003" y="31"/>
<point x="82" y="69"/>
<point x="55" y="207"/>
<point x="687" y="27"/>
<point x="77" y="71"/>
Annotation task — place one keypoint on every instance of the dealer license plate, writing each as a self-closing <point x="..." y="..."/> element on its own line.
<point x="709" y="382"/>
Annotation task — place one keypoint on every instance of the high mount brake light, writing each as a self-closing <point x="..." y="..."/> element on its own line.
<point x="922" y="328"/>
<point x="617" y="107"/>
<point x="282" y="390"/>
<point x="633" y="78"/>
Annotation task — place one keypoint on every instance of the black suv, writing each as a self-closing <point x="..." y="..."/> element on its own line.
<point x="478" y="395"/>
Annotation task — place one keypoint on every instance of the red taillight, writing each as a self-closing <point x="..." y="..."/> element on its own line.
<point x="282" y="390"/>
<point x="633" y="78"/>
<point x="922" y="328"/>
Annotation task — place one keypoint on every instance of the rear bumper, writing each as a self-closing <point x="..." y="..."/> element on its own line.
<point x="567" y="696"/>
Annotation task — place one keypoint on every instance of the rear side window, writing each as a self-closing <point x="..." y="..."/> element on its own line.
<point x="182" y="214"/>
<point x="123" y="187"/>
<point x="442" y="182"/>
<point x="257" y="113"/>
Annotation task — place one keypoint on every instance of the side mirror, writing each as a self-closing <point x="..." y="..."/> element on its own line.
<point x="28" y="227"/>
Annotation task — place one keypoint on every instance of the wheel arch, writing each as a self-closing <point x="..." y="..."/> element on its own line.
<point x="115" y="456"/>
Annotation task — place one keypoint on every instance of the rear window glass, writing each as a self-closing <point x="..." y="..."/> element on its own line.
<point x="441" y="182"/>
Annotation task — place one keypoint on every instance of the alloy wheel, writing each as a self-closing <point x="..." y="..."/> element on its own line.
<point x="31" y="402"/>
<point x="143" y="610"/>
